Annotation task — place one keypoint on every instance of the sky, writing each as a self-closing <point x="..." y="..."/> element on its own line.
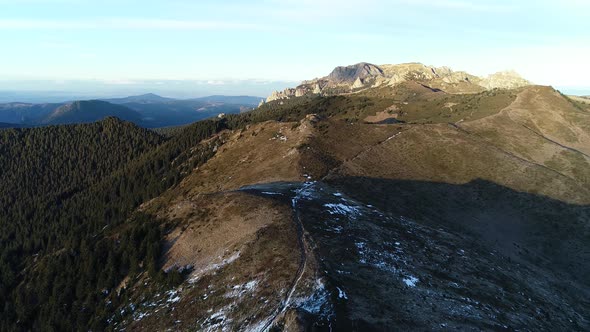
<point x="183" y="47"/>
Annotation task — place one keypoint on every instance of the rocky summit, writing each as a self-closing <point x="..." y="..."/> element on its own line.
<point x="363" y="75"/>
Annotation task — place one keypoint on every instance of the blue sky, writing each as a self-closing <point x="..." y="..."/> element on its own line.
<point x="127" y="43"/>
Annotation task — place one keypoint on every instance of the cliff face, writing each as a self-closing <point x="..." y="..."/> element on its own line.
<point x="344" y="79"/>
<point x="350" y="74"/>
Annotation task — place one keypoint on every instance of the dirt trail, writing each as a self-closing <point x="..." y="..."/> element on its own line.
<point x="554" y="142"/>
<point x="361" y="153"/>
<point x="303" y="258"/>
<point x="507" y="153"/>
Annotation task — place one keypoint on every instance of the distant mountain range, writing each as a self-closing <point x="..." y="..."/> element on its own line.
<point x="145" y="98"/>
<point x="147" y="110"/>
<point x="9" y="125"/>
<point x="90" y="111"/>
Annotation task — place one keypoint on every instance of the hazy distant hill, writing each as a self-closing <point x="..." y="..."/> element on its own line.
<point x="157" y="111"/>
<point x="154" y="98"/>
<point x="25" y="113"/>
<point x="89" y="111"/>
<point x="145" y="98"/>
<point x="147" y="110"/>
<point x="9" y="125"/>
<point x="236" y="100"/>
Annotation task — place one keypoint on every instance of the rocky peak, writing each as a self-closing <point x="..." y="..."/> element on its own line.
<point x="505" y="80"/>
<point x="361" y="75"/>
<point x="351" y="73"/>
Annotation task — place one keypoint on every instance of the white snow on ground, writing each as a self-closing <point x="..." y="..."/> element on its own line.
<point x="271" y="193"/>
<point x="316" y="301"/>
<point x="341" y="294"/>
<point x="336" y="229"/>
<point x="411" y="281"/>
<point x="306" y="191"/>
<point x="174" y="299"/>
<point x="196" y="274"/>
<point x="337" y="194"/>
<point x="140" y="316"/>
<point x="217" y="321"/>
<point x="389" y="257"/>
<point x="251" y="285"/>
<point x="240" y="290"/>
<point x="173" y="296"/>
<point x="361" y="246"/>
<point x="342" y="209"/>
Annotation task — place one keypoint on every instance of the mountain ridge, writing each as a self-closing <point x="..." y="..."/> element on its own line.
<point x="344" y="79"/>
<point x="89" y="111"/>
<point x="147" y="97"/>
<point x="153" y="110"/>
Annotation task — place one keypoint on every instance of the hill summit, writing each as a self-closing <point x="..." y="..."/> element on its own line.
<point x="89" y="111"/>
<point x="346" y="79"/>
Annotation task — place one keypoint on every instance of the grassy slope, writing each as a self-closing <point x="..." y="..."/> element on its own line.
<point x="452" y="165"/>
<point x="489" y="185"/>
<point x="543" y="127"/>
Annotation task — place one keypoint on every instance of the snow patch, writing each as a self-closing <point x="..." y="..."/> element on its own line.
<point x="386" y="257"/>
<point x="316" y="302"/>
<point x="411" y="281"/>
<point x="341" y="294"/>
<point x="271" y="193"/>
<point x="336" y="229"/>
<point x="141" y="316"/>
<point x="215" y="266"/>
<point x="240" y="290"/>
<point x="217" y="321"/>
<point x="342" y="209"/>
<point x="306" y="191"/>
<point x="173" y="296"/>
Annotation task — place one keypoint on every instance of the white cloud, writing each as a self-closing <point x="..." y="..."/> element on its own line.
<point x="480" y="6"/>
<point x="355" y="7"/>
<point x="120" y="82"/>
<point x="124" y="23"/>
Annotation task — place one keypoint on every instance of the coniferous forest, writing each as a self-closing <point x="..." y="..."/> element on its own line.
<point x="69" y="229"/>
<point x="65" y="190"/>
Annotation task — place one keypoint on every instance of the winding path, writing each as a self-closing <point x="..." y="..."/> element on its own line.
<point x="303" y="258"/>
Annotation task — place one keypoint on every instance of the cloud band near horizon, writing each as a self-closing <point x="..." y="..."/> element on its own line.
<point x="125" y="23"/>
